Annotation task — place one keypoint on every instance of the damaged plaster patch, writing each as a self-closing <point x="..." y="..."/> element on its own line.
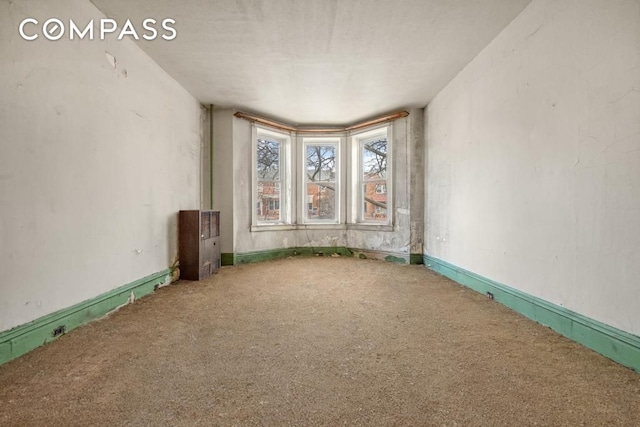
<point x="375" y="242"/>
<point x="111" y="59"/>
<point x="138" y="114"/>
<point x="331" y="240"/>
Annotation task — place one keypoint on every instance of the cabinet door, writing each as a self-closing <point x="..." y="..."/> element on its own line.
<point x="205" y="224"/>
<point x="215" y="224"/>
<point x="207" y="267"/>
<point x="217" y="259"/>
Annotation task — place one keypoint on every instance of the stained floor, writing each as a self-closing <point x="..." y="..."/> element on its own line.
<point x="316" y="341"/>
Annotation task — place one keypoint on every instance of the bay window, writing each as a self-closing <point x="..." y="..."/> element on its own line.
<point x="344" y="179"/>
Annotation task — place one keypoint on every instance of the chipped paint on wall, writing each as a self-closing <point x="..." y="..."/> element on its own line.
<point x="234" y="147"/>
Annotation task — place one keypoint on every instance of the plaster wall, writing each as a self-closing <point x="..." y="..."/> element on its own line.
<point x="99" y="149"/>
<point x="533" y="170"/>
<point x="416" y="180"/>
<point x="223" y="182"/>
<point x="206" y="164"/>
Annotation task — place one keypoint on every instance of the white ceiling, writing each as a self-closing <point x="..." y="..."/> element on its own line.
<point x="318" y="61"/>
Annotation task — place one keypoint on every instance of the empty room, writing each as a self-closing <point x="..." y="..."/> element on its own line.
<point x="319" y="212"/>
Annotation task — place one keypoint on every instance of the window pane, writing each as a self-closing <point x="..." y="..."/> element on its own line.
<point x="321" y="201"/>
<point x="269" y="177"/>
<point x="375" y="202"/>
<point x="374" y="159"/>
<point x="321" y="163"/>
<point x="320" y="176"/>
<point x="268" y="155"/>
<point x="268" y="205"/>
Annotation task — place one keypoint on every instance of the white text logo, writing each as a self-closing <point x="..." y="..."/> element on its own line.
<point x="55" y="29"/>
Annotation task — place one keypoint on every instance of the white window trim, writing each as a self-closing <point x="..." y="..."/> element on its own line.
<point x="349" y="188"/>
<point x="319" y="139"/>
<point x="356" y="139"/>
<point x="287" y="184"/>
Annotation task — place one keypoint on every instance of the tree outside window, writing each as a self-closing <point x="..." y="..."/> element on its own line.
<point x="321" y="178"/>
<point x="374" y="178"/>
<point x="269" y="179"/>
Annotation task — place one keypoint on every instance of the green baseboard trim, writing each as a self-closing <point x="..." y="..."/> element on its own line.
<point x="613" y="343"/>
<point x="226" y="258"/>
<point x="416" y="259"/>
<point x="258" y="256"/>
<point x="395" y="259"/>
<point x="20" y="340"/>
<point x="323" y="251"/>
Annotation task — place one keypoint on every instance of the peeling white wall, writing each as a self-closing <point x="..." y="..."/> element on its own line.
<point x="533" y="167"/>
<point x="96" y="158"/>
<point x="232" y="195"/>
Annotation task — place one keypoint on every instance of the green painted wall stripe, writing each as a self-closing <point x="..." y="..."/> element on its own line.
<point x="613" y="343"/>
<point x="19" y="340"/>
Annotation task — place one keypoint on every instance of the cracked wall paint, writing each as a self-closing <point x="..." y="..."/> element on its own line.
<point x="232" y="173"/>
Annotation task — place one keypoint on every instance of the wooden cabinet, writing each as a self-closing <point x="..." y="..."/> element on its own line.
<point x="199" y="243"/>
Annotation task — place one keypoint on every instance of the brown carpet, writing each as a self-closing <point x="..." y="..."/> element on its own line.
<point x="316" y="341"/>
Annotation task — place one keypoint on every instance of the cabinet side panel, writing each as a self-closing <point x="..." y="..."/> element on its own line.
<point x="189" y="247"/>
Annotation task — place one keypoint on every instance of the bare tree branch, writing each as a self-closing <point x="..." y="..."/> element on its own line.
<point x="368" y="199"/>
<point x="375" y="151"/>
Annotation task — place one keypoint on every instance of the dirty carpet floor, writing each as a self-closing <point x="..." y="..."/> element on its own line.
<point x="316" y="341"/>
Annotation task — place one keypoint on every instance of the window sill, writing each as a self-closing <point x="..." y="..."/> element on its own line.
<point x="370" y="227"/>
<point x="273" y="227"/>
<point x="289" y="227"/>
<point x="321" y="226"/>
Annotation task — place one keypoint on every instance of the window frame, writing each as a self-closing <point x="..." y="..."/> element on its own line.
<point x="286" y="174"/>
<point x="349" y="182"/>
<point x="319" y="140"/>
<point x="357" y="141"/>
